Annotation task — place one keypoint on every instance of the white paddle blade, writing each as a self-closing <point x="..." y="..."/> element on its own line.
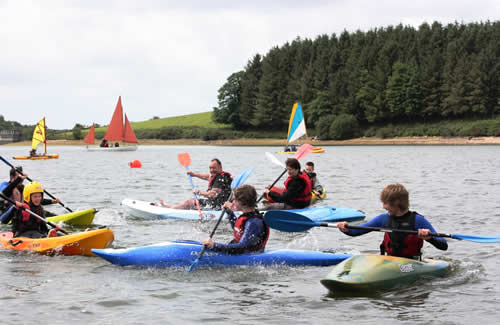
<point x="274" y="160"/>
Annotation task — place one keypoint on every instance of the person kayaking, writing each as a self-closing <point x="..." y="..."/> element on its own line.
<point x="104" y="143"/>
<point x="395" y="200"/>
<point x="297" y="192"/>
<point x="219" y="188"/>
<point x="249" y="230"/>
<point x="13" y="174"/>
<point x="33" y="153"/>
<point x="23" y="223"/>
<point x="317" y="188"/>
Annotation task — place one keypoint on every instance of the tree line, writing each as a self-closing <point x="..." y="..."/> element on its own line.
<point x="396" y="74"/>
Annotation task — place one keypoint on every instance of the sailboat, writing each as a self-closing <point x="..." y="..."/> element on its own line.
<point x="117" y="132"/>
<point x="296" y="129"/>
<point x="39" y="136"/>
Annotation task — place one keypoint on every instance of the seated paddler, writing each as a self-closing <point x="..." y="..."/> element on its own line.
<point x="249" y="230"/>
<point x="218" y="191"/>
<point x="395" y="200"/>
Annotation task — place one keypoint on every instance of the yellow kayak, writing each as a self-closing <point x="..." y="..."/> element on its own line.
<point x="316" y="198"/>
<point x="74" y="244"/>
<point x="51" y="156"/>
<point x="77" y="218"/>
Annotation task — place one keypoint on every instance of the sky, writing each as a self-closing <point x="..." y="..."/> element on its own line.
<point x="68" y="61"/>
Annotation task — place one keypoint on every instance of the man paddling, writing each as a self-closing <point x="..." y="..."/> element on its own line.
<point x="249" y="230"/>
<point x="395" y="200"/>
<point x="219" y="188"/>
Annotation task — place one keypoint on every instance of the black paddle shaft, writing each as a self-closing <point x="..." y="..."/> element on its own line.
<point x="413" y="232"/>
<point x="33" y="214"/>
<point x="276" y="181"/>
<point x="29" y="179"/>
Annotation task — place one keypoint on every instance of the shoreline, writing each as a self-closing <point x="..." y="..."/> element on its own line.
<point x="281" y="142"/>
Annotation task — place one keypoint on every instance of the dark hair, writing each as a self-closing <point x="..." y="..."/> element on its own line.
<point x="13" y="171"/>
<point x="310" y="163"/>
<point x="292" y="163"/>
<point x="218" y="162"/>
<point x="246" y="195"/>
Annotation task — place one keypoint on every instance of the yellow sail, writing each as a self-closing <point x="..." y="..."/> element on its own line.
<point x="39" y="135"/>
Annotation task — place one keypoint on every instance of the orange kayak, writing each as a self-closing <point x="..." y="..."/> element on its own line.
<point x="74" y="244"/>
<point x="43" y="157"/>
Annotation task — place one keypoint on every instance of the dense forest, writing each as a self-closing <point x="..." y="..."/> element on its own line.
<point x="395" y="75"/>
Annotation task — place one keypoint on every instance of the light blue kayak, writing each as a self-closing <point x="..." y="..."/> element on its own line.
<point x="143" y="209"/>
<point x="184" y="253"/>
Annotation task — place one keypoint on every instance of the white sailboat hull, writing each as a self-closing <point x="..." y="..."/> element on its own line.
<point x="123" y="148"/>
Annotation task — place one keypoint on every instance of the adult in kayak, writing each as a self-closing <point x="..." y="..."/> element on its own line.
<point x="218" y="192"/>
<point x="395" y="200"/>
<point x="297" y="192"/>
<point x="249" y="230"/>
<point x="317" y="188"/>
<point x="23" y="223"/>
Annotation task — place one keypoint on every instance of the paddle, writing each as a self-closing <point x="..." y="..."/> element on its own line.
<point x="303" y="151"/>
<point x="237" y="181"/>
<point x="294" y="222"/>
<point x="185" y="160"/>
<point x="29" y="179"/>
<point x="34" y="214"/>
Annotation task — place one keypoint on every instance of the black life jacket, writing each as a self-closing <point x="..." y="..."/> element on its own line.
<point x="306" y="195"/>
<point x="24" y="221"/>
<point x="239" y="229"/>
<point x="223" y="196"/>
<point x="401" y="244"/>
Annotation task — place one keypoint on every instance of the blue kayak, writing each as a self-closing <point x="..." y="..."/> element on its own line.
<point x="184" y="253"/>
<point x="143" y="209"/>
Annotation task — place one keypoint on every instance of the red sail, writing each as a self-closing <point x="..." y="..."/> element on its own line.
<point x="89" y="138"/>
<point x="115" y="129"/>
<point x="129" y="135"/>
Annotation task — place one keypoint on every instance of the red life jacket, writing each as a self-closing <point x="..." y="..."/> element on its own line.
<point x="400" y="244"/>
<point x="306" y="195"/>
<point x="224" y="175"/>
<point x="28" y="222"/>
<point x="239" y="229"/>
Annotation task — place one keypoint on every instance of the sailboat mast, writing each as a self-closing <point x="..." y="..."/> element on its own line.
<point x="45" y="137"/>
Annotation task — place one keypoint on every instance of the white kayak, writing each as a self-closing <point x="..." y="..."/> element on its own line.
<point x="143" y="209"/>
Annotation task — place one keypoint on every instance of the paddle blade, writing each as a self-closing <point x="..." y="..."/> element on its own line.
<point x="241" y="178"/>
<point x="288" y="221"/>
<point x="184" y="159"/>
<point x="194" y="265"/>
<point x="274" y="160"/>
<point x="303" y="151"/>
<point x="477" y="239"/>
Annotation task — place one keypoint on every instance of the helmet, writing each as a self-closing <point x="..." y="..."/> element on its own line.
<point x="30" y="188"/>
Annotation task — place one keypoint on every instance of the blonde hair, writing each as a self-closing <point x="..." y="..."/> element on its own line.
<point x="395" y="195"/>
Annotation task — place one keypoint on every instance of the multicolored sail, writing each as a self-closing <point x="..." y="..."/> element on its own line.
<point x="40" y="135"/>
<point x="297" y="125"/>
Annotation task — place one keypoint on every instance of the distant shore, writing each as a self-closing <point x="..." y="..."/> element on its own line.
<point x="280" y="142"/>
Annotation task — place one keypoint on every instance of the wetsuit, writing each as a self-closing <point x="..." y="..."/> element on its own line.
<point x="420" y="223"/>
<point x="297" y="192"/>
<point x="254" y="238"/>
<point x="220" y="181"/>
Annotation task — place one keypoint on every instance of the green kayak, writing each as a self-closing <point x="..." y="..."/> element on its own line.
<point x="379" y="272"/>
<point x="77" y="218"/>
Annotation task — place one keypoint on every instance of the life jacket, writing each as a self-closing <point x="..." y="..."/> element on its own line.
<point x="401" y="244"/>
<point x="223" y="196"/>
<point x="305" y="196"/>
<point x="239" y="229"/>
<point x="25" y="221"/>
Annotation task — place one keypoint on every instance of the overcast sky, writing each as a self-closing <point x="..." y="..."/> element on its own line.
<point x="70" y="60"/>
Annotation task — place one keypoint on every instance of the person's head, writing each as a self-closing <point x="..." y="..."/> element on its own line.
<point x="245" y="197"/>
<point x="309" y="167"/>
<point x="16" y="195"/>
<point x="395" y="199"/>
<point x="292" y="166"/>
<point x="33" y="193"/>
<point x="215" y="167"/>
<point x="14" y="172"/>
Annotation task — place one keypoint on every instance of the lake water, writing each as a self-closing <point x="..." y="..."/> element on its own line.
<point x="456" y="187"/>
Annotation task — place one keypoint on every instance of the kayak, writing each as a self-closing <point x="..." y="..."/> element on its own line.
<point x="315" y="198"/>
<point x="184" y="253"/>
<point x="143" y="209"/>
<point x="74" y="244"/>
<point x="43" y="157"/>
<point x="365" y="273"/>
<point x="77" y="218"/>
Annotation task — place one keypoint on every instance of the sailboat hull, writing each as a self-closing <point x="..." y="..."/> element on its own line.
<point x="315" y="150"/>
<point x="112" y="149"/>
<point x="44" y="157"/>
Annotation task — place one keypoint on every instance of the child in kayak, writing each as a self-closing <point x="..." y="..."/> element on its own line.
<point x="250" y="231"/>
<point x="317" y="188"/>
<point x="395" y="200"/>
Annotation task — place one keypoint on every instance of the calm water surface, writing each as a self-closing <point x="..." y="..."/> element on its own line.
<point x="456" y="187"/>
